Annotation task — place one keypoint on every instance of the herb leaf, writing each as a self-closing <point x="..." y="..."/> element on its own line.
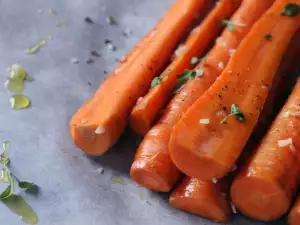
<point x="6" y="193"/>
<point x="25" y="184"/>
<point x="235" y="111"/>
<point x="194" y="60"/>
<point x="268" y="36"/>
<point x="228" y="24"/>
<point x="4" y="157"/>
<point x="37" y="46"/>
<point x="156" y="81"/>
<point x="21" y="208"/>
<point x="183" y="78"/>
<point x="5" y="176"/>
<point x="291" y="10"/>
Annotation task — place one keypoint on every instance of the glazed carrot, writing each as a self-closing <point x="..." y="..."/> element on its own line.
<point x="153" y="167"/>
<point x="148" y="107"/>
<point x="265" y="187"/>
<point x="294" y="215"/>
<point x="100" y="121"/>
<point x="203" y="198"/>
<point x="205" y="143"/>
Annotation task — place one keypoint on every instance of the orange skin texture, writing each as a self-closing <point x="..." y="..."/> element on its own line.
<point x="207" y="151"/>
<point x="152" y="161"/>
<point x="111" y="105"/>
<point x="265" y="187"/>
<point x="148" y="108"/>
<point x="294" y="215"/>
<point x="202" y="198"/>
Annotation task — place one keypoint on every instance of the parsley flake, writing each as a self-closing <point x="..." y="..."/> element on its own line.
<point x="235" y="111"/>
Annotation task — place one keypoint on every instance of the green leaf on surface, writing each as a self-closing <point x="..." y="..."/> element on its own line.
<point x="6" y="193"/>
<point x="19" y="101"/>
<point x="14" y="84"/>
<point x="183" y="78"/>
<point x="194" y="60"/>
<point x="20" y="207"/>
<point x="4" y="157"/>
<point x="25" y="185"/>
<point x="37" y="46"/>
<point x="5" y="176"/>
<point x="291" y="10"/>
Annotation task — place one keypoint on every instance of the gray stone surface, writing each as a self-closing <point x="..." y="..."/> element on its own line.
<point x="73" y="191"/>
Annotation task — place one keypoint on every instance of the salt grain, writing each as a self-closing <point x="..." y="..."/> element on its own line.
<point x="199" y="72"/>
<point x="284" y="143"/>
<point x="221" y="65"/>
<point x="100" y="130"/>
<point x="214" y="180"/>
<point x="233" y="208"/>
<point x="204" y="121"/>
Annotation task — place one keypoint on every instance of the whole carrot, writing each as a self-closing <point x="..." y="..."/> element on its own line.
<point x="209" y="138"/>
<point x="153" y="167"/>
<point x="203" y="198"/>
<point x="265" y="187"/>
<point x="188" y="55"/>
<point x="100" y="121"/>
<point x="294" y="215"/>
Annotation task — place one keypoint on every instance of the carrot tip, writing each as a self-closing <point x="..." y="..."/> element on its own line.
<point x="147" y="178"/>
<point x="259" y="199"/>
<point x="201" y="207"/>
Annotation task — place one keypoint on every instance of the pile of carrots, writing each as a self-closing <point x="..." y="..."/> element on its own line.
<point x="205" y="95"/>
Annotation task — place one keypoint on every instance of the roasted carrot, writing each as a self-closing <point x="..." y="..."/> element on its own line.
<point x="203" y="198"/>
<point x="153" y="167"/>
<point x="209" y="138"/>
<point x="149" y="106"/>
<point x="294" y="215"/>
<point x="100" y="121"/>
<point x="265" y="187"/>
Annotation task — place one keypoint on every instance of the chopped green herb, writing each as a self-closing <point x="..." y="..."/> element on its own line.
<point x="268" y="36"/>
<point x="111" y="20"/>
<point x="235" y="111"/>
<point x="6" y="193"/>
<point x="17" y="71"/>
<point x="37" y="46"/>
<point x="194" y="60"/>
<point x="5" y="176"/>
<point x="117" y="180"/>
<point x="21" y="208"/>
<point x="4" y="157"/>
<point x="14" y="202"/>
<point x="156" y="81"/>
<point x="291" y="10"/>
<point x="19" y="101"/>
<point x="228" y="24"/>
<point x="183" y="78"/>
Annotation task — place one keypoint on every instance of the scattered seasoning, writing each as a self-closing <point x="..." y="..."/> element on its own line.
<point x="117" y="180"/>
<point x="62" y="24"/>
<point x="233" y="208"/>
<point x="231" y="52"/>
<point x="214" y="180"/>
<point x="74" y="60"/>
<point x="127" y="32"/>
<point x="284" y="143"/>
<point x="291" y="10"/>
<point x="95" y="54"/>
<point x="90" y="61"/>
<point x="194" y="60"/>
<point x="268" y="36"/>
<point x="89" y="20"/>
<point x="111" y="21"/>
<point x="37" y="46"/>
<point x="15" y="82"/>
<point x="221" y="65"/>
<point x="156" y="81"/>
<point x="180" y="50"/>
<point x="235" y="111"/>
<point x="199" y="72"/>
<point x="109" y="45"/>
<point x="231" y="25"/>
<point x="100" y="130"/>
<point x="204" y="121"/>
<point x="100" y="170"/>
<point x="14" y="202"/>
<point x="19" y="101"/>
